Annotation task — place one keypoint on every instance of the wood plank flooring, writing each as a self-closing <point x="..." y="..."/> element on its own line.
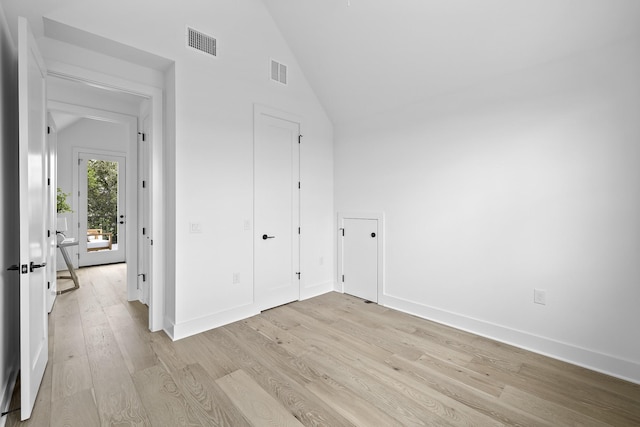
<point x="328" y="361"/>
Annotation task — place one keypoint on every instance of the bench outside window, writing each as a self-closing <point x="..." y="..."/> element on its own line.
<point x="97" y="240"/>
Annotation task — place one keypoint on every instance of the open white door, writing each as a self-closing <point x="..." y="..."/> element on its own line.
<point x="33" y="208"/>
<point x="144" y="210"/>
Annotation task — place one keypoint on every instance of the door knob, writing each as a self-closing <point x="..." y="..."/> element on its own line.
<point x="265" y="237"/>
<point x="373" y="234"/>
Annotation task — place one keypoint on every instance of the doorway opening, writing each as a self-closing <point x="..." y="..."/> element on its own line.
<point x="103" y="173"/>
<point x="102" y="208"/>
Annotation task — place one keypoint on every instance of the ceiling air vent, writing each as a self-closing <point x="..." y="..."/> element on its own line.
<point x="201" y="41"/>
<point x="278" y="72"/>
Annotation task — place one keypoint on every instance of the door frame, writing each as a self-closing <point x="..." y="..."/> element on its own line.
<point x="52" y="176"/>
<point x="157" y="184"/>
<point x="379" y="216"/>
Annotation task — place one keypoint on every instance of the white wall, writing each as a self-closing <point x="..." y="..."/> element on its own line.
<point x="209" y="148"/>
<point x="9" y="216"/>
<point x="91" y="135"/>
<point x="529" y="181"/>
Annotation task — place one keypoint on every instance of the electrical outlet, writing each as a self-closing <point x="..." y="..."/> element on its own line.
<point x="195" y="227"/>
<point x="540" y="296"/>
<point x="236" y="278"/>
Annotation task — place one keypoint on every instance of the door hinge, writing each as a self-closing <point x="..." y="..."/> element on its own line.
<point x="299" y="139"/>
<point x="144" y="184"/>
<point x="48" y="130"/>
<point x="342" y="229"/>
<point x="298" y="230"/>
<point x="298" y="185"/>
<point x="48" y="181"/>
<point x="48" y="285"/>
<point x="79" y="161"/>
<point x="343" y="278"/>
<point x="143" y="135"/>
<point x="48" y="233"/>
<point x="299" y="274"/>
<point x="144" y="231"/>
<point x="144" y="277"/>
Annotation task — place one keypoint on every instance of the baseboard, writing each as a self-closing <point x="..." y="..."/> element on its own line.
<point x="168" y="328"/>
<point x="610" y="365"/>
<point x="195" y="326"/>
<point x="316" y="290"/>
<point x="7" y="393"/>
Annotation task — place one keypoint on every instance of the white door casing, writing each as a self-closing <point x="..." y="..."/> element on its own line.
<point x="157" y="184"/>
<point x="276" y="208"/>
<point x="52" y="144"/>
<point x="33" y="202"/>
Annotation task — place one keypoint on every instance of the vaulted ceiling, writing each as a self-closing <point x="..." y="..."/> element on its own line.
<point x="367" y="56"/>
<point x="364" y="57"/>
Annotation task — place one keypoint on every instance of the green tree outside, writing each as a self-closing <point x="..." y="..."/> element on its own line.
<point x="102" y="196"/>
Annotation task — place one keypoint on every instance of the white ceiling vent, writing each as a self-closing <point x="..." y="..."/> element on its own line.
<point x="278" y="72"/>
<point x="202" y="42"/>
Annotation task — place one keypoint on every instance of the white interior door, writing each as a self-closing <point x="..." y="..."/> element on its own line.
<point x="101" y="209"/>
<point x="276" y="211"/>
<point x="33" y="225"/>
<point x="144" y="211"/>
<point x="360" y="258"/>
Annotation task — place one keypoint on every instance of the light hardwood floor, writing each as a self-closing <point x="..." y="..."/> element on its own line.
<point x="332" y="360"/>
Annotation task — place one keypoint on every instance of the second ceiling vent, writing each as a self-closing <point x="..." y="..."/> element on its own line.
<point x="202" y="42"/>
<point x="278" y="72"/>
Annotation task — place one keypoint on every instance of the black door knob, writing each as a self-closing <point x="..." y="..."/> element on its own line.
<point x="373" y="234"/>
<point x="33" y="266"/>
<point x="265" y="237"/>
